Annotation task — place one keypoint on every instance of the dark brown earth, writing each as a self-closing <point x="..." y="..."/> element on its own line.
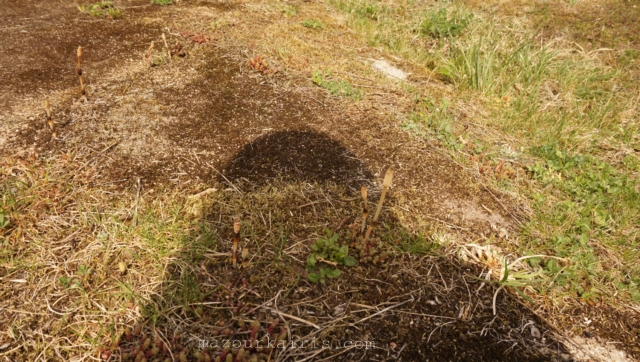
<point x="209" y="119"/>
<point x="39" y="41"/>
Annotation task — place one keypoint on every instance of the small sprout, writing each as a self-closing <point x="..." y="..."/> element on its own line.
<point x="365" y="210"/>
<point x="82" y="89"/>
<point x="236" y="239"/>
<point x="148" y="56"/>
<point x="166" y="47"/>
<point x="122" y="266"/>
<point x="385" y="185"/>
<point x="245" y="257"/>
<point x="47" y="107"/>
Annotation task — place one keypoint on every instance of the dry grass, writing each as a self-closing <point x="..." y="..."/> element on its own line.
<point x="89" y="260"/>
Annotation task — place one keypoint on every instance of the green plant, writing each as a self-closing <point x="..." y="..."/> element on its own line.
<point x="337" y="88"/>
<point x="4" y="220"/>
<point x="440" y="24"/>
<point x="162" y="2"/>
<point x="69" y="282"/>
<point x="289" y="10"/>
<point x="101" y="9"/>
<point x="434" y="119"/>
<point x="313" y="24"/>
<point x="83" y="270"/>
<point x="328" y="252"/>
<point x="158" y="59"/>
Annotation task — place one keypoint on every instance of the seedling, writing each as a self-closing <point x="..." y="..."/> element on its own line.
<point x="47" y="107"/>
<point x="166" y="48"/>
<point x="236" y="239"/>
<point x="327" y="251"/>
<point x="385" y="185"/>
<point x="148" y="55"/>
<point x="245" y="257"/>
<point x="365" y="209"/>
<point x="82" y="89"/>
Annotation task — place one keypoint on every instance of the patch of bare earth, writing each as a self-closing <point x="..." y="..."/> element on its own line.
<point x="291" y="160"/>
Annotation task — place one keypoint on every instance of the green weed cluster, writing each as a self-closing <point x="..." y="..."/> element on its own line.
<point x="313" y="24"/>
<point x="329" y="253"/>
<point x="337" y="88"/>
<point x="101" y="9"/>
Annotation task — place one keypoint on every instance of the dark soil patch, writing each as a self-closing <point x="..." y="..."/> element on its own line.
<point x="297" y="156"/>
<point x="223" y="5"/>
<point x="39" y="41"/>
<point x="605" y="323"/>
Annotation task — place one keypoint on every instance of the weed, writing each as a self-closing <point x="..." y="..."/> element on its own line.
<point x="158" y="58"/>
<point x="473" y="64"/>
<point x="327" y="251"/>
<point x="365" y="10"/>
<point x="162" y="2"/>
<point x="289" y="10"/>
<point x="435" y="120"/>
<point x="313" y="24"/>
<point x="595" y="199"/>
<point x="4" y="221"/>
<point x="337" y="88"/>
<point x="439" y="24"/>
<point x="101" y="9"/>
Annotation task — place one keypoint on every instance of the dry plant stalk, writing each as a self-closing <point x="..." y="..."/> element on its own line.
<point x="385" y="185"/>
<point x="148" y="56"/>
<point x="365" y="209"/>
<point x="245" y="257"/>
<point x="47" y="107"/>
<point x="84" y="92"/>
<point x="166" y="47"/>
<point x="236" y="239"/>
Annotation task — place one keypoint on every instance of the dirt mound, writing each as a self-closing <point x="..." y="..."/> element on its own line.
<point x="297" y="156"/>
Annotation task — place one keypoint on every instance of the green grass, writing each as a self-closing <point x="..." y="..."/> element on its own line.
<point x="289" y="10"/>
<point x="313" y="24"/>
<point x="101" y="9"/>
<point x="434" y="121"/>
<point x="337" y="88"/>
<point x="440" y="23"/>
<point x="162" y="2"/>
<point x="571" y="113"/>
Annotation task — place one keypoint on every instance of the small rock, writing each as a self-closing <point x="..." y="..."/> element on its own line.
<point x="535" y="333"/>
<point x="122" y="267"/>
<point x="389" y="70"/>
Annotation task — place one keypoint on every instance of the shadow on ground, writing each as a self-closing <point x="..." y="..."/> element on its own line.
<point x="287" y="187"/>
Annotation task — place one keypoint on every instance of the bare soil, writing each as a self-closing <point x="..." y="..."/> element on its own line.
<point x="208" y="118"/>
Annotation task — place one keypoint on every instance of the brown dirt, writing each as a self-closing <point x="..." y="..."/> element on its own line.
<point x="208" y="115"/>
<point x="39" y="42"/>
